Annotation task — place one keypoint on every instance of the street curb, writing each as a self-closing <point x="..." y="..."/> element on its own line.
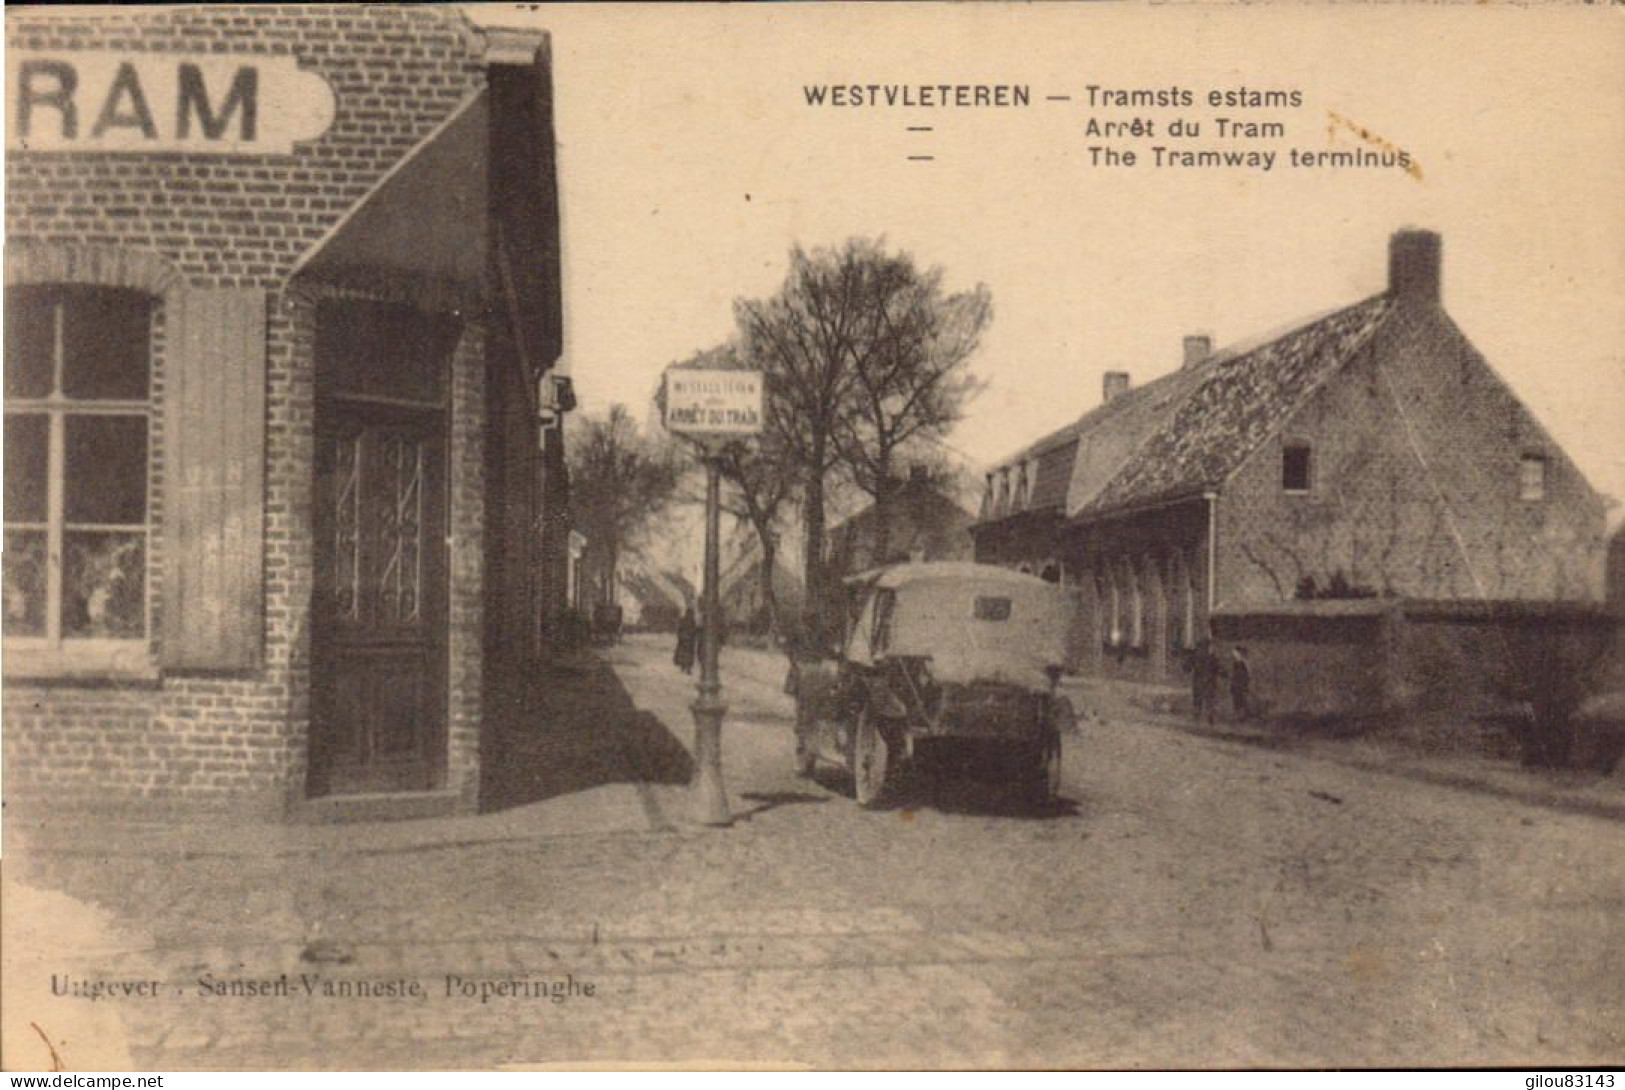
<point x="26" y="846"/>
<point x="1551" y="799"/>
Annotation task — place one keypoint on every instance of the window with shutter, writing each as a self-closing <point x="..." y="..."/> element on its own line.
<point x="214" y="457"/>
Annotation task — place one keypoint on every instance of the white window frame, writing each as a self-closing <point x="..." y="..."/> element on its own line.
<point x="1532" y="491"/>
<point x="1114" y="612"/>
<point x="1136" y="616"/>
<point x="53" y="654"/>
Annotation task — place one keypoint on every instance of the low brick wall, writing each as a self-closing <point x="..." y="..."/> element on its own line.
<point x="208" y="745"/>
<point x="1374" y="658"/>
<point x="1312" y="663"/>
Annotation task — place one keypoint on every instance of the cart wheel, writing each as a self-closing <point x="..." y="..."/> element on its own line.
<point x="1046" y="782"/>
<point x="870" y="759"/>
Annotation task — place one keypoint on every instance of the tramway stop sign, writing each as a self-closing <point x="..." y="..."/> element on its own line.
<point x="713" y="403"/>
<point x="713" y="407"/>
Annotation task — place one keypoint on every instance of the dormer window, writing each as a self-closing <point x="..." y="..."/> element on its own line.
<point x="1532" y="477"/>
<point x="1296" y="466"/>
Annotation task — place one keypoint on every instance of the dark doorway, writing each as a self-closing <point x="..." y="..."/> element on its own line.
<point x="379" y="607"/>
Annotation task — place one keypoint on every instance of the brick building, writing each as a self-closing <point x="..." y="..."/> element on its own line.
<point x="1615" y="592"/>
<point x="282" y="524"/>
<point x="1370" y="451"/>
<point x="923" y="523"/>
<point x="744" y="594"/>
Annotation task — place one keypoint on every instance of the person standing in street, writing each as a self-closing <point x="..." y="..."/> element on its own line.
<point x="683" y="657"/>
<point x="1204" y="681"/>
<point x="1241" y="682"/>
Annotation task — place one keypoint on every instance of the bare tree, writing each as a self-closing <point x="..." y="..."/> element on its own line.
<point x="839" y="343"/>
<point x="762" y="484"/>
<point x="620" y="481"/>
<point x="916" y="382"/>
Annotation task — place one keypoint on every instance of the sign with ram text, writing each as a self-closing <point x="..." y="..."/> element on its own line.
<point x="224" y="104"/>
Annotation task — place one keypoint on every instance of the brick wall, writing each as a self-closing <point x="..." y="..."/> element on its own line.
<point x="466" y="612"/>
<point x="1370" y="513"/>
<point x="238" y="742"/>
<point x="1416" y="451"/>
<point x="1315" y="660"/>
<point x="1389" y="660"/>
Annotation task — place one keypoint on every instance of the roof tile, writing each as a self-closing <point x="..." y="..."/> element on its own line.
<point x="1240" y="401"/>
<point x="1188" y="430"/>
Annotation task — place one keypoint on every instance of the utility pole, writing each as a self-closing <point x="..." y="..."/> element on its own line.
<point x="710" y="797"/>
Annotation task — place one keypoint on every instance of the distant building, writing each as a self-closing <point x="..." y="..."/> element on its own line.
<point x="744" y="602"/>
<point x="1368" y="451"/>
<point x="650" y="597"/>
<point x="924" y="524"/>
<point x="1616" y="569"/>
<point x="577" y="593"/>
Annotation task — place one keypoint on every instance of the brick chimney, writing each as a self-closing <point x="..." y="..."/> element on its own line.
<point x="1116" y="383"/>
<point x="1413" y="265"/>
<point x="1198" y="347"/>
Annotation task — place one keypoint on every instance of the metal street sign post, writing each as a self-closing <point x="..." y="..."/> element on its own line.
<point x="714" y="408"/>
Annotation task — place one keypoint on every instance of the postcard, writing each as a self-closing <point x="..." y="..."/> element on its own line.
<point x="930" y="536"/>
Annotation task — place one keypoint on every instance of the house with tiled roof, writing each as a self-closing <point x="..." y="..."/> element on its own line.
<point x="1615" y="565"/>
<point x="1368" y="451"/>
<point x="924" y="523"/>
<point x="744" y="598"/>
<point x="650" y="596"/>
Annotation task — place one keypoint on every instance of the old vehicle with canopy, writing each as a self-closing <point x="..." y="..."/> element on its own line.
<point x="936" y="656"/>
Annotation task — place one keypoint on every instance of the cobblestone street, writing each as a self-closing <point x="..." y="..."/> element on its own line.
<point x="1194" y="902"/>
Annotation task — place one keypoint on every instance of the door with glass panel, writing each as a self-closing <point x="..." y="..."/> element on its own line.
<point x="378" y="638"/>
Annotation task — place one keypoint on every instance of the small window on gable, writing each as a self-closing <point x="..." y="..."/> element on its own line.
<point x="1532" y="477"/>
<point x="1295" y="467"/>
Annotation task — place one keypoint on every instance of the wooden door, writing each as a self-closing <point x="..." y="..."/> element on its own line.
<point x="378" y="639"/>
